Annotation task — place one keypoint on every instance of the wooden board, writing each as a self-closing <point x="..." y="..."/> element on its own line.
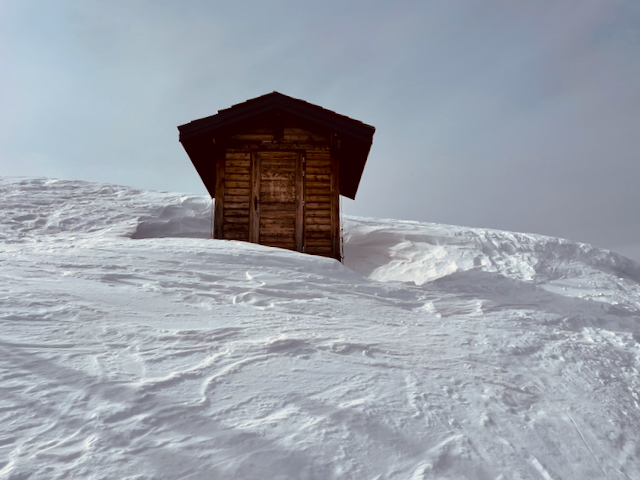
<point x="236" y="194"/>
<point x="283" y="133"/>
<point x="317" y="203"/>
<point x="336" y="237"/>
<point x="299" y="205"/>
<point x="254" y="203"/>
<point x="218" y="212"/>
<point x="277" y="198"/>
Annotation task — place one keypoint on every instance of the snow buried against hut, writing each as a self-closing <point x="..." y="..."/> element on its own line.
<point x="134" y="347"/>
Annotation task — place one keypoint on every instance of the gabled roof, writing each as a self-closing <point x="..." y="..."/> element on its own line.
<point x="355" y="137"/>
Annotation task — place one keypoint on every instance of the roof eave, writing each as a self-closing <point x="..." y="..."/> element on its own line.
<point x="227" y="117"/>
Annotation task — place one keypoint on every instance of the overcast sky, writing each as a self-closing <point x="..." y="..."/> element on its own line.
<point x="521" y="115"/>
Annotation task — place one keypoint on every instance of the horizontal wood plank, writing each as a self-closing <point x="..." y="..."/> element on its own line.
<point x="317" y="154"/>
<point x="322" y="185"/>
<point x="317" y="168"/>
<point x="231" y="155"/>
<point x="280" y="219"/>
<point x="237" y="163"/>
<point x="318" y="243"/>
<point x="276" y="228"/>
<point x="317" y="191"/>
<point x="269" y="167"/>
<point x="270" y="218"/>
<point x="272" y="155"/>
<point x="235" y="220"/>
<point x="241" y="145"/>
<point x="317" y="234"/>
<point x="244" y="176"/>
<point x="318" y="227"/>
<point x="317" y="198"/>
<point x="238" y="171"/>
<point x="254" y="137"/>
<point x="236" y="236"/>
<point x="295" y="132"/>
<point x="235" y="212"/>
<point x="236" y="198"/>
<point x="264" y="128"/>
<point x="278" y="236"/>
<point x="316" y="206"/>
<point x="326" y="178"/>
<point x="236" y="192"/>
<point x="317" y="250"/>
<point x="311" y="170"/>
<point x="318" y="213"/>
<point x="325" y="166"/>
<point x="316" y="220"/>
<point x="277" y="208"/>
<point x="228" y="206"/>
<point x="320" y="236"/>
<point x="229" y="184"/>
<point x="285" y="246"/>
<point x="233" y="227"/>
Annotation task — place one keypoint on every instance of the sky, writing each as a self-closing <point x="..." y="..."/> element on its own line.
<point x="508" y="114"/>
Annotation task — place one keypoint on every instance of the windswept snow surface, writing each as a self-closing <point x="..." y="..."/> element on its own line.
<point x="133" y="348"/>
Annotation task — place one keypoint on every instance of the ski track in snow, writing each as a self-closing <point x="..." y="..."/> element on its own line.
<point x="132" y="347"/>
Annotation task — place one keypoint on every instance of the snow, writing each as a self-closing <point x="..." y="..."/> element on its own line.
<point x="133" y="347"/>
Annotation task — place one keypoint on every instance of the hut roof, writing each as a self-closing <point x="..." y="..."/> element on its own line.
<point x="355" y="137"/>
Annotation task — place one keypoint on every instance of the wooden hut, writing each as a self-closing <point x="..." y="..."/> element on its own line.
<point x="276" y="166"/>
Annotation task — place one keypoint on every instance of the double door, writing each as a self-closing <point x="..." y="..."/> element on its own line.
<point x="277" y="199"/>
<point x="280" y="198"/>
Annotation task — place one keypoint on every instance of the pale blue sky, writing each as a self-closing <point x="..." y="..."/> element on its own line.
<point x="511" y="114"/>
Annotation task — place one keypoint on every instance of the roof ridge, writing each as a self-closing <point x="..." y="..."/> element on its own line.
<point x="276" y="94"/>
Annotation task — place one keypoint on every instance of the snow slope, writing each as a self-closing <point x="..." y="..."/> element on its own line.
<point x="132" y="347"/>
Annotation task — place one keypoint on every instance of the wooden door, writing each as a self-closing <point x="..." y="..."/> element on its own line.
<point x="276" y="210"/>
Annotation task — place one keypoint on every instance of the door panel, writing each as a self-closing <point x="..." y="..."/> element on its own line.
<point x="277" y="199"/>
<point x="318" y="201"/>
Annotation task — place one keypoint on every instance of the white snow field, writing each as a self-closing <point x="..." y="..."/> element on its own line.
<point x="131" y="347"/>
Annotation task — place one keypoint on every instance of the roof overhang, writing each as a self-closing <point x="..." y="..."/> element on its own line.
<point x="203" y="137"/>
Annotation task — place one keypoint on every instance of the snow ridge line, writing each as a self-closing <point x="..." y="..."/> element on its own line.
<point x="587" y="445"/>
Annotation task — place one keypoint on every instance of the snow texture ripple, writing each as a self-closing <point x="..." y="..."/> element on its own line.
<point x="132" y="347"/>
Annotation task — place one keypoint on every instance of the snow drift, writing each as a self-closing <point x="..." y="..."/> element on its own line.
<point x="133" y="347"/>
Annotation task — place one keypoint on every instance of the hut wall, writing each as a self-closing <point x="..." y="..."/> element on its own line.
<point x="236" y="195"/>
<point x="318" y="197"/>
<point x="279" y="188"/>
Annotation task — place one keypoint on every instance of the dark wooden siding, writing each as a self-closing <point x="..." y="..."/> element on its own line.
<point x="237" y="190"/>
<point x="317" y="203"/>
<point x="274" y="192"/>
<point x="293" y="137"/>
